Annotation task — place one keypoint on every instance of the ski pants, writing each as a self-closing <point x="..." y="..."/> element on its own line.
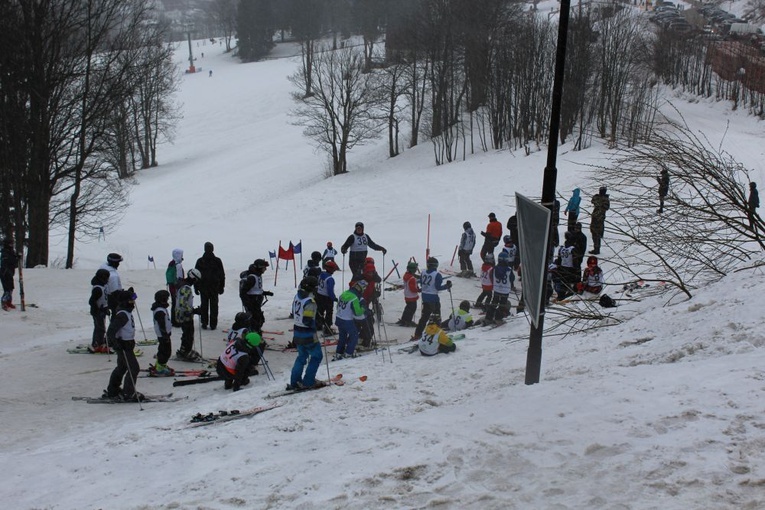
<point x="323" y="311"/>
<point x="428" y="307"/>
<point x="99" y="329"/>
<point x="187" y="335"/>
<point x="164" y="349"/>
<point x="572" y="218"/>
<point x="209" y="309"/>
<point x="409" y="310"/>
<point x="499" y="308"/>
<point x="348" y="336"/>
<point x="465" y="263"/>
<point x="307" y="353"/>
<point x="127" y="368"/>
<point x="486" y="294"/>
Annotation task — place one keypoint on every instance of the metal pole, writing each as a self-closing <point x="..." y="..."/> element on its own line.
<point x="534" y="353"/>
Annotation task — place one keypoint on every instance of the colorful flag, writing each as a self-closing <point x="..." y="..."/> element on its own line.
<point x="272" y="254"/>
<point x="151" y="259"/>
<point x="296" y="249"/>
<point x="288" y="254"/>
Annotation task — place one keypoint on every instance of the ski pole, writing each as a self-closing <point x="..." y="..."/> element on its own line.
<point x="201" y="351"/>
<point x="269" y="373"/>
<point x="454" y="317"/>
<point x="343" y="271"/>
<point x="130" y="374"/>
<point x="395" y="268"/>
<point x="21" y="284"/>
<point x="453" y="254"/>
<point x="382" y="287"/>
<point x="141" y="323"/>
<point x="326" y="354"/>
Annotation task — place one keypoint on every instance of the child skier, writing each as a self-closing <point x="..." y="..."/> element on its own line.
<point x="411" y="295"/>
<point x="431" y="282"/>
<point x="592" y="277"/>
<point x="184" y="315"/>
<point x="238" y="361"/>
<point x="350" y="314"/>
<point x="466" y="246"/>
<point x="9" y="261"/>
<point x="329" y="254"/>
<point x="163" y="327"/>
<point x="461" y="318"/>
<point x="174" y="276"/>
<point x="487" y="281"/>
<point x="325" y="297"/>
<point x="121" y="338"/>
<point x="112" y="265"/>
<point x="304" y="337"/>
<point x="500" y="305"/>
<point x="512" y="254"/>
<point x="434" y="340"/>
<point x="99" y="310"/>
<point x="313" y="266"/>
<point x="252" y="294"/>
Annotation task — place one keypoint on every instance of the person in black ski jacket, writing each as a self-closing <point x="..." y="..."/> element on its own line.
<point x="9" y="261"/>
<point x="99" y="309"/>
<point x="210" y="286"/>
<point x="121" y="338"/>
<point x="358" y="243"/>
<point x="753" y="203"/>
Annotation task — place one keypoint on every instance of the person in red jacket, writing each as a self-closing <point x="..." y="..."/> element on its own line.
<point x="492" y="235"/>
<point x="411" y="295"/>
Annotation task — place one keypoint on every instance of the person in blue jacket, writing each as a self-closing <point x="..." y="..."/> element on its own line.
<point x="572" y="209"/>
<point x="431" y="281"/>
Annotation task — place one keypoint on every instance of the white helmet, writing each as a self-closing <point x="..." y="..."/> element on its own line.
<point x="194" y="274"/>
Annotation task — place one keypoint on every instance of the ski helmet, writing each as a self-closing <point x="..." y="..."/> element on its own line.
<point x="369" y="260"/>
<point x="102" y="275"/>
<point x="329" y="244"/>
<point x="113" y="259"/>
<point x="162" y="297"/>
<point x="508" y="239"/>
<point x="488" y="258"/>
<point x="253" y="339"/>
<point x="434" y="318"/>
<point x="432" y="263"/>
<point x="194" y="274"/>
<point x="360" y="286"/>
<point x="466" y="225"/>
<point x="331" y="266"/>
<point x="465" y="305"/>
<point x="126" y="296"/>
<point x="242" y="318"/>
<point x="504" y="258"/>
<point x="260" y="263"/>
<point x="316" y="256"/>
<point x="412" y="267"/>
<point x="309" y="284"/>
<point x="359" y="224"/>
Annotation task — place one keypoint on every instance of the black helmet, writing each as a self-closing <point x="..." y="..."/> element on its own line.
<point x="113" y="259"/>
<point x="309" y="283"/>
<point x="102" y="275"/>
<point x="316" y="256"/>
<point x="161" y="296"/>
<point x="465" y="305"/>
<point x="242" y="318"/>
<point x="434" y="319"/>
<point x="466" y="225"/>
<point x="260" y="263"/>
<point x="603" y="190"/>
<point x="508" y="239"/>
<point x="359" y="224"/>
<point x="126" y="296"/>
<point x="432" y="263"/>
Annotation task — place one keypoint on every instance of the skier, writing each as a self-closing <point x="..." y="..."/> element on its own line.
<point x="238" y="360"/>
<point x="174" y="276"/>
<point x="467" y="243"/>
<point x="9" y="261"/>
<point x="492" y="235"/>
<point x="304" y="337"/>
<point x="512" y="227"/>
<point x="411" y="295"/>
<point x="431" y="281"/>
<point x="592" y="278"/>
<point x="210" y="286"/>
<point x="115" y="283"/>
<point x="579" y="242"/>
<point x="572" y="208"/>
<point x="753" y="203"/>
<point x="325" y="297"/>
<point x="350" y="314"/>
<point x="566" y="271"/>
<point x="121" y="338"/>
<point x="370" y="301"/>
<point x="184" y="315"/>
<point x="500" y="304"/>
<point x="163" y="327"/>
<point x="329" y="253"/>
<point x="663" y="180"/>
<point x="434" y="340"/>
<point x="252" y="294"/>
<point x="555" y="220"/>
<point x="601" y="203"/>
<point x="313" y="266"/>
<point x="487" y="281"/>
<point x="99" y="311"/>
<point x="358" y="243"/>
<point x="461" y="319"/>
<point x="512" y="254"/>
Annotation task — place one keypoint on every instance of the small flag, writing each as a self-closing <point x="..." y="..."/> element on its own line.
<point x="151" y="259"/>
<point x="288" y="254"/>
<point x="272" y="254"/>
<point x="296" y="249"/>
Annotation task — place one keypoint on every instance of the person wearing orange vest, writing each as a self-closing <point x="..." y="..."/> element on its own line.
<point x="492" y="235"/>
<point x="411" y="295"/>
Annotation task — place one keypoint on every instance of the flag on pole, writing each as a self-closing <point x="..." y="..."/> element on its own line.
<point x="297" y="248"/>
<point x="288" y="254"/>
<point x="271" y="254"/>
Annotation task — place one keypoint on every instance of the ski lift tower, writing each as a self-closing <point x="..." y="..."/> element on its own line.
<point x="189" y="29"/>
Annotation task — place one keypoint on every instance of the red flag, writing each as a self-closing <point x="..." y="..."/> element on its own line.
<point x="288" y="254"/>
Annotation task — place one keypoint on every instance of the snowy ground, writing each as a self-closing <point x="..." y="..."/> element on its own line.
<point x="663" y="411"/>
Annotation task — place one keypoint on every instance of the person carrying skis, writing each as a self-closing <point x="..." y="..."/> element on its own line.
<point x="325" y="297"/>
<point x="358" y="243"/>
<point x="492" y="235"/>
<point x="466" y="246"/>
<point x="210" y="286"/>
<point x="350" y="314"/>
<point x="600" y="204"/>
<point x="252" y="294"/>
<point x="663" y="180"/>
<point x="487" y="281"/>
<point x="411" y="295"/>
<point x="500" y="304"/>
<point x="434" y="340"/>
<point x="329" y="253"/>
<point x="592" y="278"/>
<point x="461" y="319"/>
<point x="174" y="276"/>
<point x="99" y="310"/>
<point x="431" y="282"/>
<point x="112" y="264"/>
<point x="163" y="327"/>
<point x="121" y="337"/>
<point x="572" y="208"/>
<point x="184" y="315"/>
<point x="304" y="336"/>
<point x="239" y="359"/>
<point x="9" y="261"/>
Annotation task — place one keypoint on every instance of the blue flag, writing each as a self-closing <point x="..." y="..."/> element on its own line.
<point x="296" y="248"/>
<point x="272" y="254"/>
<point x="151" y="259"/>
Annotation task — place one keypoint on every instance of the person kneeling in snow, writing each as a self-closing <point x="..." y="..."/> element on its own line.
<point x="434" y="340"/>
<point x="239" y="359"/>
<point x="592" y="277"/>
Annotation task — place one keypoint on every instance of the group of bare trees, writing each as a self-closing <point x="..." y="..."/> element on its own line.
<point x="84" y="99"/>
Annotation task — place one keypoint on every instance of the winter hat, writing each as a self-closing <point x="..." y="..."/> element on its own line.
<point x="102" y="275"/>
<point x="178" y="255"/>
<point x="752" y="185"/>
<point x="492" y="216"/>
<point x="114" y="258"/>
<point x="209" y="247"/>
<point x="161" y="297"/>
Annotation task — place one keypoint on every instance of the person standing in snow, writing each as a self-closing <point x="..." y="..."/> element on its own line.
<point x="99" y="309"/>
<point x="566" y="270"/>
<point x="358" y="242"/>
<point x="325" y="297"/>
<point x="210" y="286"/>
<point x="370" y="301"/>
<point x="555" y="219"/>
<point x="115" y="282"/>
<point x="304" y="336"/>
<point x="411" y="295"/>
<point x="466" y="246"/>
<point x="572" y="209"/>
<point x="9" y="261"/>
<point x="252" y="294"/>
<point x="753" y="203"/>
<point x="434" y="340"/>
<point x="350" y="315"/>
<point x="600" y="204"/>
<point x="500" y="302"/>
<point x="663" y="180"/>
<point x="492" y="235"/>
<point x="431" y="282"/>
<point x="174" y="276"/>
<point x="313" y="266"/>
<point x="487" y="282"/>
<point x="163" y="327"/>
<point x="121" y="337"/>
<point x="329" y="253"/>
<point x="511" y="250"/>
<point x="184" y="315"/>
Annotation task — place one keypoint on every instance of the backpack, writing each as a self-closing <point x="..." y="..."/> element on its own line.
<point x="607" y="301"/>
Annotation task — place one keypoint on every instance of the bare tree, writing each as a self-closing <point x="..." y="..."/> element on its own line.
<point x="341" y="112"/>
<point x="223" y="12"/>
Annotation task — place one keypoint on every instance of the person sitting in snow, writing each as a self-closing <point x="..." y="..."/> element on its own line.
<point x="461" y="318"/>
<point x="239" y="359"/>
<point x="592" y="277"/>
<point x="434" y="340"/>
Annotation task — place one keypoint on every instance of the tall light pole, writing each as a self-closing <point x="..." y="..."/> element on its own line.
<point x="189" y="28"/>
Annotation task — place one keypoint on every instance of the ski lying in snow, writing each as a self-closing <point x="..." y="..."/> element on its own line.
<point x="144" y="343"/>
<point x="197" y="380"/>
<point x="202" y="420"/>
<point x="168" y="397"/>
<point x="179" y="373"/>
<point x="336" y="381"/>
<point x="199" y="372"/>
<point x="409" y="349"/>
<point x="83" y="349"/>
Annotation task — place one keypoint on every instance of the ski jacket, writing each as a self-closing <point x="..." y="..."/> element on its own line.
<point x="121" y="327"/>
<point x="329" y="254"/>
<point x="174" y="273"/>
<point x="463" y="321"/>
<point x="663" y="180"/>
<point x="213" y="279"/>
<point x="359" y="243"/>
<point x="431" y="282"/>
<point x="252" y="285"/>
<point x="573" y="203"/>
<point x="432" y="338"/>
<point x="411" y="290"/>
<point x="592" y="278"/>
<point x="512" y="252"/>
<point x="467" y="241"/>
<point x="9" y="261"/>
<point x="184" y="305"/>
<point x="97" y="299"/>
<point x="163" y="326"/>
<point x="349" y="307"/>
<point x="754" y="199"/>
<point x="115" y="283"/>
<point x="502" y="281"/>
<point x="487" y="277"/>
<point x="600" y="204"/>
<point x="304" y="317"/>
<point x="236" y="358"/>
<point x="566" y="255"/>
<point x="493" y="230"/>
<point x="327" y="286"/>
<point x="312" y="268"/>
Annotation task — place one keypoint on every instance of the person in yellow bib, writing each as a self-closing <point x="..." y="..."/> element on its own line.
<point x="434" y="340"/>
